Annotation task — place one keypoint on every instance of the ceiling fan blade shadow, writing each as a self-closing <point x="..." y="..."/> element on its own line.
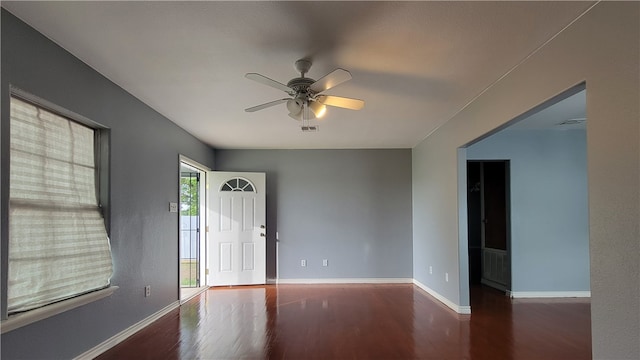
<point x="341" y="102"/>
<point x="336" y="77"/>
<point x="265" y="105"/>
<point x="320" y="39"/>
<point x="269" y="82"/>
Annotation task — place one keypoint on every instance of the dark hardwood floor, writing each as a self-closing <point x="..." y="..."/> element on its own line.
<point x="397" y="321"/>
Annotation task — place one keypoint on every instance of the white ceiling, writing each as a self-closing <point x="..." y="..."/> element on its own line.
<point x="415" y="64"/>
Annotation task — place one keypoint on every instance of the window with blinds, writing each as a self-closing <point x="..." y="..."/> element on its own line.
<point x="58" y="244"/>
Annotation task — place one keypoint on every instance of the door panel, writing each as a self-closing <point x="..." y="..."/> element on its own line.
<point x="226" y="214"/>
<point x="225" y="257"/>
<point x="248" y="214"/>
<point x="248" y="256"/>
<point x="237" y="217"/>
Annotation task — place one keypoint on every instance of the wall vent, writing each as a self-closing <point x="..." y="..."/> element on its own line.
<point x="574" y="121"/>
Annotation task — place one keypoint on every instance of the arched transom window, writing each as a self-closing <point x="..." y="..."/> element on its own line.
<point x="238" y="184"/>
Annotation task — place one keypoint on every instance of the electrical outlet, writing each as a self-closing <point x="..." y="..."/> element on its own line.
<point x="446" y="277"/>
<point x="147" y="291"/>
<point x="303" y="262"/>
<point x="173" y="207"/>
<point x="325" y="262"/>
<point x="430" y="270"/>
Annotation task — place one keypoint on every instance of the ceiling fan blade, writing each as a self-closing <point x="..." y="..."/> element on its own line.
<point x="336" y="77"/>
<point x="265" y="105"/>
<point x="341" y="102"/>
<point x="269" y="82"/>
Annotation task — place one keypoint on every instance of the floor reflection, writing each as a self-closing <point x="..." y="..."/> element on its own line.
<point x="229" y="324"/>
<point x="397" y="321"/>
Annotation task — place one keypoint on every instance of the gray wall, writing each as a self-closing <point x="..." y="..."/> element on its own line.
<point x="352" y="207"/>
<point x="602" y="48"/>
<point x="145" y="150"/>
<point x="549" y="212"/>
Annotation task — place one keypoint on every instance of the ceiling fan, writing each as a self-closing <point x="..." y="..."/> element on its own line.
<point x="307" y="101"/>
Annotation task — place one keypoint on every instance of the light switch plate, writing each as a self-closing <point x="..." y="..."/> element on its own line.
<point x="173" y="207"/>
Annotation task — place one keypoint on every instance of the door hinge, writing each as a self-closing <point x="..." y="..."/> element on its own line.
<point x="206" y="228"/>
<point x="206" y="271"/>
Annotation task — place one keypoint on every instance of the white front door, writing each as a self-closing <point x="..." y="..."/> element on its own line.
<point x="237" y="228"/>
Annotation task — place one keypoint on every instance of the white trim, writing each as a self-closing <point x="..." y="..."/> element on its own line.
<point x="465" y="310"/>
<point x="277" y="256"/>
<point x="548" y="294"/>
<point x="31" y="316"/>
<point x="124" y="334"/>
<point x="196" y="293"/>
<point x="512" y="69"/>
<point x="193" y="163"/>
<point x="347" y="281"/>
<point x="48" y="105"/>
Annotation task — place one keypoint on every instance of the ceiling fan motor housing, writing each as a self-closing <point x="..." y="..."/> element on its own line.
<point x="300" y="85"/>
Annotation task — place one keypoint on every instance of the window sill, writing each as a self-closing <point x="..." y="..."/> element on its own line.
<point x="29" y="317"/>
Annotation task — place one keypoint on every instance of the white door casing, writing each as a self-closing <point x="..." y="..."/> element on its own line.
<point x="237" y="228"/>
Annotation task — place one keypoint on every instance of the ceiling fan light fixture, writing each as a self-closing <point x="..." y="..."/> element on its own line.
<point x="318" y="109"/>
<point x="297" y="116"/>
<point x="294" y="106"/>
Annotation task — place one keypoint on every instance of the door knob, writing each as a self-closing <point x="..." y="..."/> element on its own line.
<point x="262" y="234"/>
<point x="261" y="226"/>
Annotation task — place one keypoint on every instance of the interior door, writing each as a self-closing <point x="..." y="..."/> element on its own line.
<point x="496" y="262"/>
<point x="237" y="219"/>
<point x="495" y="205"/>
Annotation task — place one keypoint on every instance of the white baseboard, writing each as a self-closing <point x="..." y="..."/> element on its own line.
<point x="272" y="281"/>
<point x="548" y="294"/>
<point x="124" y="334"/>
<point x="199" y="291"/>
<point x="347" y="281"/>
<point x="465" y="310"/>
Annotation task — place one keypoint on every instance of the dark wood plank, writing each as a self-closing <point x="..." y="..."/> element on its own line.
<point x="396" y="321"/>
